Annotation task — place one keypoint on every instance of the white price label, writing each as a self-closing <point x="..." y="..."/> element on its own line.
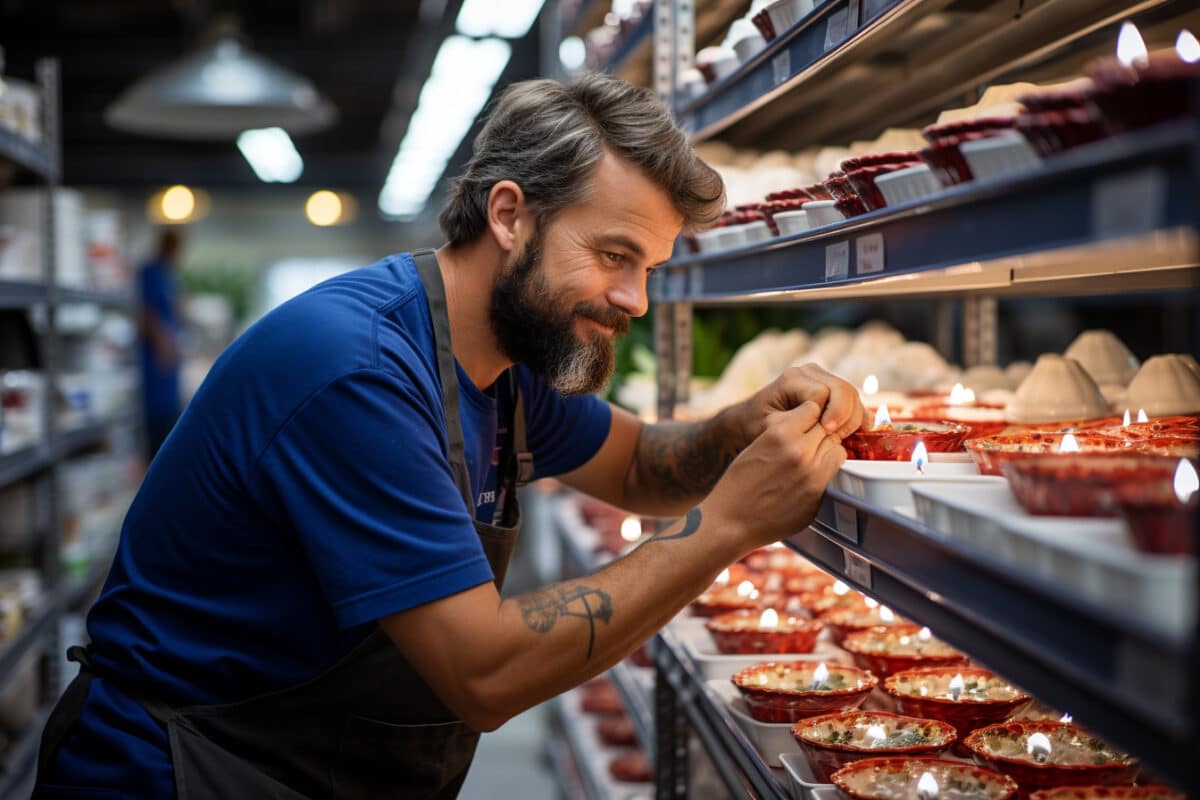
<point x="1129" y="204"/>
<point x="858" y="569"/>
<point x="781" y="67"/>
<point x="837" y="261"/>
<point x="836" y="28"/>
<point x="869" y="250"/>
<point x="846" y="520"/>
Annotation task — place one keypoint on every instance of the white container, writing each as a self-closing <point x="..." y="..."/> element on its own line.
<point x="1088" y="556"/>
<point x="730" y="237"/>
<point x="908" y="185"/>
<point x="800" y="775"/>
<point x="822" y="212"/>
<point x="791" y="223"/>
<point x="886" y="483"/>
<point x="715" y="665"/>
<point x="771" y="739"/>
<point x="749" y="46"/>
<point x="725" y="66"/>
<point x="786" y="13"/>
<point x="1001" y="155"/>
<point x="709" y="241"/>
<point x="755" y="232"/>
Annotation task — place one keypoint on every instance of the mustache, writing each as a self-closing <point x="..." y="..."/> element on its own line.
<point x="608" y="317"/>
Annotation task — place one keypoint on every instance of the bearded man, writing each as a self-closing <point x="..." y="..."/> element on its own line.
<point x="306" y="598"/>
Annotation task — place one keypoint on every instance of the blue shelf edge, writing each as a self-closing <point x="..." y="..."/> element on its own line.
<point x="21" y="294"/>
<point x="31" y="157"/>
<point x="1130" y="686"/>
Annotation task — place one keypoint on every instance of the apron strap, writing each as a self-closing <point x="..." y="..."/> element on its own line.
<point x="522" y="459"/>
<point x="435" y="292"/>
<point x="66" y="713"/>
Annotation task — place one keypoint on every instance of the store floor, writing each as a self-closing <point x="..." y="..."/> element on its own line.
<point x="511" y="762"/>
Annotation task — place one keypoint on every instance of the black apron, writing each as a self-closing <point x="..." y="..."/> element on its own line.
<point x="367" y="727"/>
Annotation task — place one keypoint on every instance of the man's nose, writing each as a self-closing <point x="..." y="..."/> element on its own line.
<point x="629" y="294"/>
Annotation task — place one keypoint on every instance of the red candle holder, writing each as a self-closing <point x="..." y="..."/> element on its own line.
<point x="1158" y="520"/>
<point x="740" y="633"/>
<point x="832" y="741"/>
<point x="1083" y="484"/>
<point x="850" y="620"/>
<point x="724" y="600"/>
<point x="889" y="778"/>
<point x="783" y="692"/>
<point x="991" y="453"/>
<point x="886" y="651"/>
<point x="984" y="698"/>
<point x="1149" y="792"/>
<point x="896" y="441"/>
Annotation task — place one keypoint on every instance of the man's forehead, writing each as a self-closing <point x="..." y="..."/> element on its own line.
<point x="631" y="207"/>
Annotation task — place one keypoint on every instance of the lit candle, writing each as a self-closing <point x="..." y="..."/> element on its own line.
<point x="723" y="578"/>
<point x="877" y="734"/>
<point x="1066" y="718"/>
<point x="631" y="529"/>
<point x="882" y="417"/>
<point x="746" y="589"/>
<point x="871" y="385"/>
<point x="960" y="396"/>
<point x="1187" y="47"/>
<point x="769" y="620"/>
<point x="871" y="602"/>
<point x="1130" y="46"/>
<point x="820" y="675"/>
<point x="840" y="588"/>
<point x="1125" y="419"/>
<point x="956" y="687"/>
<point x="1186" y="481"/>
<point x="886" y="615"/>
<point x="925" y="634"/>
<point x="927" y="787"/>
<point x="1142" y="415"/>
<point x="1038" y="746"/>
<point x="1068" y="444"/>
<point x="920" y="457"/>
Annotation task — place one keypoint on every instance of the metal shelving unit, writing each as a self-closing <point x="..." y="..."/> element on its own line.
<point x="20" y="760"/>
<point x="33" y="160"/>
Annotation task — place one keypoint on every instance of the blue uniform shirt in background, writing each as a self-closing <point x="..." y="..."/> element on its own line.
<point x="305" y="493"/>
<point x="160" y="385"/>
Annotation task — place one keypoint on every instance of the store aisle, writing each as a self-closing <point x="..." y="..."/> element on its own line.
<point x="511" y="762"/>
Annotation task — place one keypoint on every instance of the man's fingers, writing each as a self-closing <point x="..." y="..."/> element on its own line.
<point x="844" y="405"/>
<point x="798" y="420"/>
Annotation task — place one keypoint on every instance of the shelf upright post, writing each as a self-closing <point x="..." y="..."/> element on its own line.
<point x="673" y="52"/>
<point x="1193" y="690"/>
<point x="979" y="331"/>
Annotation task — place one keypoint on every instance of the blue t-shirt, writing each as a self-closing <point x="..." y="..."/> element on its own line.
<point x="304" y="494"/>
<point x="160" y="384"/>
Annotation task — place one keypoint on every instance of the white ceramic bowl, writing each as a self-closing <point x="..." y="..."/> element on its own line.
<point x="1000" y="155"/>
<point x="908" y="184"/>
<point x="1104" y="356"/>
<point x="1166" y="385"/>
<point x="822" y="212"/>
<point x="791" y="223"/>
<point x="749" y="46"/>
<point x="1057" y="390"/>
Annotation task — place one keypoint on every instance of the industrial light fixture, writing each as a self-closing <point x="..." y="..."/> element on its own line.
<point x="218" y="91"/>
<point x="510" y="20"/>
<point x="271" y="155"/>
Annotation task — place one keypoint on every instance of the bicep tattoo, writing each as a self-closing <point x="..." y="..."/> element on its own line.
<point x="683" y="460"/>
<point x="541" y="609"/>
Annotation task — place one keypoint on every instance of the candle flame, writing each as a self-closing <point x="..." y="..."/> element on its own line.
<point x="769" y="620"/>
<point x="1038" y="746"/>
<point x="1141" y="417"/>
<point x="723" y="578"/>
<point x="920" y="457"/>
<point x="927" y="786"/>
<point x="1068" y="444"/>
<point x="631" y="529"/>
<point x="1066" y="718"/>
<point x="820" y="675"/>
<point x="840" y="588"/>
<point x="1186" y="481"/>
<point x="1130" y="46"/>
<point x="925" y="634"/>
<point x="877" y="734"/>
<point x="957" y="685"/>
<point x="1188" y="47"/>
<point x="960" y="396"/>
<point x="1125" y="419"/>
<point x="882" y="417"/>
<point x="871" y="385"/>
<point x="746" y="589"/>
<point x="871" y="602"/>
<point x="886" y="615"/>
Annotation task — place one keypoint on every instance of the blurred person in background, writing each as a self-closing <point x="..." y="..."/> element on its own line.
<point x="158" y="330"/>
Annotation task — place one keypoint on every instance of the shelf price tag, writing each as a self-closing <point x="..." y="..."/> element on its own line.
<point x="846" y="520"/>
<point x="837" y="28"/>
<point x="858" y="569"/>
<point x="781" y="67"/>
<point x="837" y="261"/>
<point x="869" y="252"/>
<point x="1129" y="204"/>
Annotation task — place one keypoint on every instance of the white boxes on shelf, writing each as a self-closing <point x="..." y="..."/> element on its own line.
<point x="21" y="209"/>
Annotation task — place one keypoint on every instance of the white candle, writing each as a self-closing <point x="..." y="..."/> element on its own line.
<point x="1130" y="46"/>
<point x="631" y="529"/>
<point x="920" y="457"/>
<point x="769" y="620"/>
<point x="1038" y="746"/>
<point x="956" y="686"/>
<point x="1186" y="481"/>
<point x="1069" y="444"/>
<point x="882" y="417"/>
<point x="871" y="385"/>
<point x="927" y="787"/>
<point x="820" y="675"/>
<point x="1187" y="47"/>
<point x="1141" y="417"/>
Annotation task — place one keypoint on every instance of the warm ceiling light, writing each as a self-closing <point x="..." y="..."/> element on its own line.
<point x="178" y="203"/>
<point x="323" y="208"/>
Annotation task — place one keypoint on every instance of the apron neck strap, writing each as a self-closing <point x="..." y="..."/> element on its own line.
<point x="435" y="293"/>
<point x="522" y="459"/>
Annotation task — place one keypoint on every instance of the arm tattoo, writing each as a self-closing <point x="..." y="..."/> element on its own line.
<point x="683" y="460"/>
<point x="542" y="608"/>
<point x="691" y="523"/>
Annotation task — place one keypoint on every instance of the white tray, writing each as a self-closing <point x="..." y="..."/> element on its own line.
<point x="1090" y="556"/>
<point x="804" y="785"/>
<point x="886" y="483"/>
<point x="771" y="739"/>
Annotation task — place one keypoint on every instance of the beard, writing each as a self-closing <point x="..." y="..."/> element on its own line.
<point x="533" y="329"/>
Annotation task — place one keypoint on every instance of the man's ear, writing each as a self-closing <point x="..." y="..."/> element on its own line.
<point x="505" y="207"/>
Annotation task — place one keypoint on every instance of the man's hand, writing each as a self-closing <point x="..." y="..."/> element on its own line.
<point x="774" y="487"/>
<point x="842" y="411"/>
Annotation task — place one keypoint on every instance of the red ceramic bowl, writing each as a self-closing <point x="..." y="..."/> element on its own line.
<point x="886" y="651"/>
<point x="832" y="741"/>
<point x="1109" y="793"/>
<point x="781" y="560"/>
<point x="850" y="620"/>
<point x="617" y="732"/>
<point x="1158" y="520"/>
<point x="863" y="180"/>
<point x="890" y="778"/>
<point x="991" y="453"/>
<point x="724" y="600"/>
<point x="1184" y="426"/>
<point x="782" y="692"/>
<point x="1153" y="92"/>
<point x="897" y="441"/>
<point x="851" y="206"/>
<point x="980" y="420"/>
<point x="1077" y="758"/>
<point x="1083" y="484"/>
<point x="984" y="700"/>
<point x="739" y="633"/>
<point x="631" y="768"/>
<point x="817" y="191"/>
<point x="839" y="186"/>
<point x="827" y="601"/>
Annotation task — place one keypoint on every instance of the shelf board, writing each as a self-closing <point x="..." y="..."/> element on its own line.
<point x="118" y="300"/>
<point x="30" y="158"/>
<point x="23" y="463"/>
<point x="1115" y="677"/>
<point x="20" y="760"/>
<point x="32" y="634"/>
<point x="21" y="294"/>
<point x="1117" y="215"/>
<point x="820" y="81"/>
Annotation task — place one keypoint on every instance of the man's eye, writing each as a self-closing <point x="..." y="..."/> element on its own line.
<point x="614" y="258"/>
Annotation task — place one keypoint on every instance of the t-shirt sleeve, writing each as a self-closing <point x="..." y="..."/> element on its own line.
<point x="563" y="432"/>
<point x="360" y="473"/>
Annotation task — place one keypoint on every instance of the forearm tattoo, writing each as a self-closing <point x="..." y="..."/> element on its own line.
<point x="683" y="460"/>
<point x="542" y="608"/>
<point x="691" y="524"/>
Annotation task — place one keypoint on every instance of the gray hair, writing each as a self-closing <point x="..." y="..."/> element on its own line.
<point x="547" y="137"/>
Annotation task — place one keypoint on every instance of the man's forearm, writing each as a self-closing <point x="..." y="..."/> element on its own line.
<point x="676" y="464"/>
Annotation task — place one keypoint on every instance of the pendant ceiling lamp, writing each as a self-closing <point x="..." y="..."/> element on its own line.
<point x="218" y="91"/>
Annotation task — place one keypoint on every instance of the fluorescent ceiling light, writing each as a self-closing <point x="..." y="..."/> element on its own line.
<point x="271" y="154"/>
<point x="458" y="87"/>
<point x="511" y="19"/>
